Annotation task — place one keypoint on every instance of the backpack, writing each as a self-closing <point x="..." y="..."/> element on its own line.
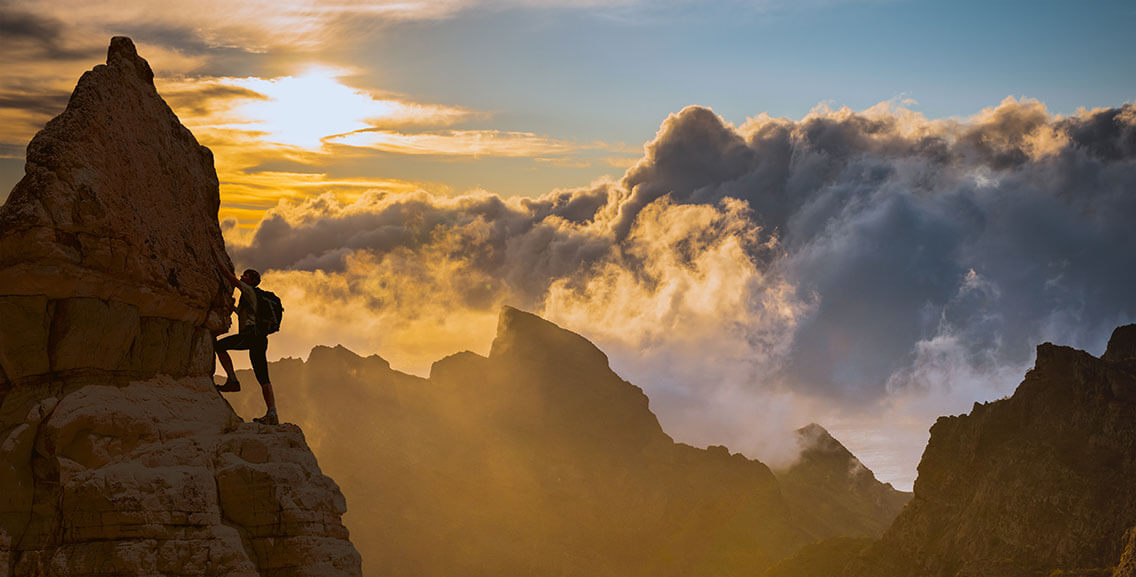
<point x="269" y="311"/>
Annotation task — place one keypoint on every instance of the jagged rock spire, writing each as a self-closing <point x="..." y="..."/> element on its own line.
<point x="106" y="243"/>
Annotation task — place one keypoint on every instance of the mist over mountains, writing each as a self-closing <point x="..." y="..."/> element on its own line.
<point x="849" y="263"/>
<point x="540" y="459"/>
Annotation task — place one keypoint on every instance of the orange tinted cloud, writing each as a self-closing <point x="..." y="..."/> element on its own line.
<point x="312" y="121"/>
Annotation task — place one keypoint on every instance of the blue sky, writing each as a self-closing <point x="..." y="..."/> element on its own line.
<point x="615" y="76"/>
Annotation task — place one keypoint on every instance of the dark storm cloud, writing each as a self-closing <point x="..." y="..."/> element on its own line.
<point x="884" y="222"/>
<point x="526" y="243"/>
<point x="910" y="241"/>
<point x="1107" y="134"/>
<point x="30" y="35"/>
<point x="48" y="104"/>
<point x="203" y="101"/>
<point x="691" y="159"/>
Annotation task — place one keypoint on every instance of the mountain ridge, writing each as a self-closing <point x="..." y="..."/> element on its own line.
<point x="536" y="450"/>
<point x="1037" y="482"/>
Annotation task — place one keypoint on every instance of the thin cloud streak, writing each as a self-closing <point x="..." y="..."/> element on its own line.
<point x="462" y="143"/>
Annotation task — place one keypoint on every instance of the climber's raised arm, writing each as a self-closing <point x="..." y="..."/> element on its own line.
<point x="221" y="266"/>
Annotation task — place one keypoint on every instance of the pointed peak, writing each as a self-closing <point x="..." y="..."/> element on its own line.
<point x="339" y="354"/>
<point x="121" y="46"/>
<point x="522" y="334"/>
<point x="1121" y="345"/>
<point x="338" y="351"/>
<point x="813" y="430"/>
<point x="813" y="437"/>
<point x="122" y="51"/>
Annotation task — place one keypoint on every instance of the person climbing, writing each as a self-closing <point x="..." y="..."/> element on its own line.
<point x="250" y="336"/>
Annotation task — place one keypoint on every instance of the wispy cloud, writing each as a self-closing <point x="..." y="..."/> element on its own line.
<point x="250" y="25"/>
<point x="312" y="121"/>
<point x="462" y="143"/>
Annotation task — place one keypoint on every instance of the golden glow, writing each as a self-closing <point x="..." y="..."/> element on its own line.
<point x="302" y="110"/>
<point x="281" y="138"/>
<point x="475" y="143"/>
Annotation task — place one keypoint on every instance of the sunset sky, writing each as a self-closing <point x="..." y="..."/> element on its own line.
<point x="860" y="213"/>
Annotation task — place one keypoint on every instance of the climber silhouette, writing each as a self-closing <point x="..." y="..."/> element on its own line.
<point x="248" y="338"/>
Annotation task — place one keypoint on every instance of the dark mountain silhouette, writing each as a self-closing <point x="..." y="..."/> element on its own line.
<point x="1041" y="483"/>
<point x="119" y="456"/>
<point x="538" y="459"/>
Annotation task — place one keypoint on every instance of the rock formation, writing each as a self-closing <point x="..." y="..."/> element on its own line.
<point x="536" y="460"/>
<point x="1127" y="565"/>
<point x="106" y="243"/>
<point x="120" y="458"/>
<point x="839" y="494"/>
<point x="1037" y="484"/>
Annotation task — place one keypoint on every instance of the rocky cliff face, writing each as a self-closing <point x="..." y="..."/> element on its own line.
<point x="106" y="243"/>
<point x="839" y="494"/>
<point x="536" y="460"/>
<point x="119" y="456"/>
<point x="1036" y="483"/>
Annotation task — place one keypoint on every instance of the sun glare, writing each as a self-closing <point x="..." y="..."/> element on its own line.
<point x="302" y="110"/>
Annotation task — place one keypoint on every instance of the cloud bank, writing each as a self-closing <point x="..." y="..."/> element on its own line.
<point x="848" y="266"/>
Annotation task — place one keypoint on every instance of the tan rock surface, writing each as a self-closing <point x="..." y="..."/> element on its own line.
<point x="119" y="455"/>
<point x="109" y="235"/>
<point x="161" y="477"/>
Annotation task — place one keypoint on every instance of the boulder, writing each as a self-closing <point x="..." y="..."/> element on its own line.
<point x="160" y="477"/>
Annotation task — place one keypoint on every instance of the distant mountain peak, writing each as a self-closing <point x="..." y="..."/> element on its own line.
<point x="827" y="477"/>
<point x="339" y="355"/>
<point x="813" y="437"/>
<point x="338" y="352"/>
<point x="523" y="334"/>
<point x="1122" y="345"/>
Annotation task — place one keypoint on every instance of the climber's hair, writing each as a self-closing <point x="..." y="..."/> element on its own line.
<point x="254" y="276"/>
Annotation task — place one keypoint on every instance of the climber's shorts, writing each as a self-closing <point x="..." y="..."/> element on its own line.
<point x="256" y="345"/>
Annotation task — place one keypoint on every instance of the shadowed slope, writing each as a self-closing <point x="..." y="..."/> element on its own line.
<point x="1041" y="481"/>
<point x="840" y="494"/>
<point x="537" y="459"/>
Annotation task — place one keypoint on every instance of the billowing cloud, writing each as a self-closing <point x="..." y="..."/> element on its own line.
<point x="869" y="269"/>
